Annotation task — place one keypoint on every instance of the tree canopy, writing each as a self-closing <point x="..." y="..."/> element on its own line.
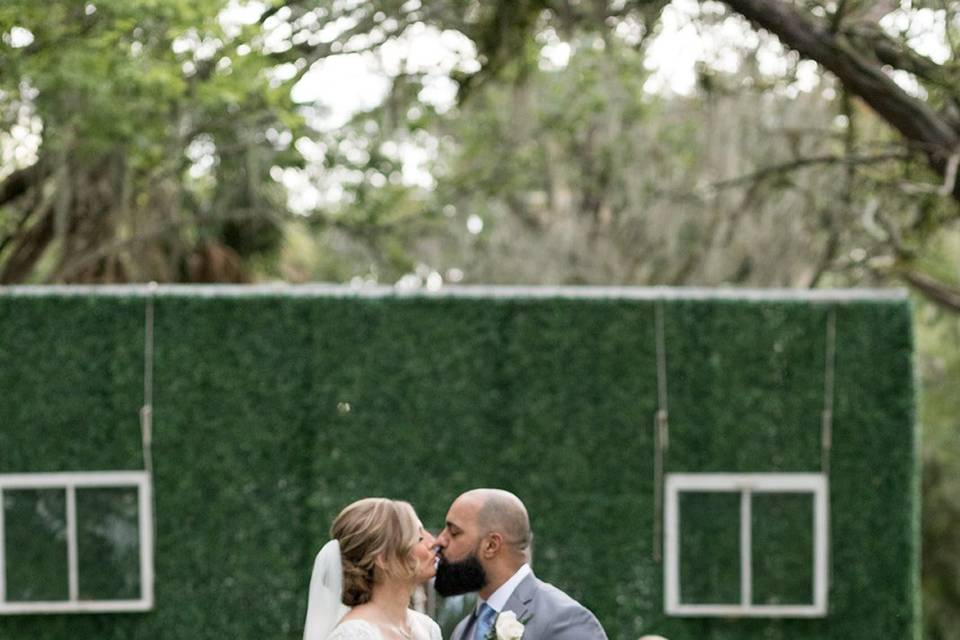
<point x="158" y="125"/>
<point x="166" y="129"/>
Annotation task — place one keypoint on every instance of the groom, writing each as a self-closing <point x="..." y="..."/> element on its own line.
<point x="485" y="547"/>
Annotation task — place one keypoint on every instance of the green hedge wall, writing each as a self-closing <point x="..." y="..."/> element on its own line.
<point x="274" y="411"/>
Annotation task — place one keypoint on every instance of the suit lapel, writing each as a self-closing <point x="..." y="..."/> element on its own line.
<point x="520" y="601"/>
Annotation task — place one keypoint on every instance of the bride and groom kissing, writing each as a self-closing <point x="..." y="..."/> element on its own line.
<point x="379" y="553"/>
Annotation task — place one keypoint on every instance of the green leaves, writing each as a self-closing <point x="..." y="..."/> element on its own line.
<point x="133" y="85"/>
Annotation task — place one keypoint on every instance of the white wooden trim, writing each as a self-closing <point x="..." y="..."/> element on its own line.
<point x="746" y="548"/>
<point x="740" y="611"/>
<point x="76" y="479"/>
<point x="462" y="291"/>
<point x="73" y="579"/>
<point x="69" y="482"/>
<point x="79" y="606"/>
<point x="671" y="551"/>
<point x="756" y="482"/>
<point x="746" y="484"/>
<point x="821" y="549"/>
<point x="146" y="544"/>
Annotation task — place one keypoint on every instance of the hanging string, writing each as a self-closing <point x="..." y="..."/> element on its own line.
<point x="146" y="411"/>
<point x="826" y="419"/>
<point x="661" y="433"/>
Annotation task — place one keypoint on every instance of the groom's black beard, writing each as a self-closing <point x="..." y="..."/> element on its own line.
<point x="457" y="578"/>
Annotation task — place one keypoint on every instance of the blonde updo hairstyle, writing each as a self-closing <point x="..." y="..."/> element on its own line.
<point x="375" y="529"/>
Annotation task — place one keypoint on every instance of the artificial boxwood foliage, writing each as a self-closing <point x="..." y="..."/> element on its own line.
<point x="271" y="412"/>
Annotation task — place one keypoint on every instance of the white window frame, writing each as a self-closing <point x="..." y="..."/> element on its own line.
<point x="746" y="484"/>
<point x="69" y="483"/>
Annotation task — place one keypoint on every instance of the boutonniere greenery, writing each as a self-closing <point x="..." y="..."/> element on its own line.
<point x="507" y="627"/>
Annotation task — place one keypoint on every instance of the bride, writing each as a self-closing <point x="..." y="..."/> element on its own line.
<point x="364" y="577"/>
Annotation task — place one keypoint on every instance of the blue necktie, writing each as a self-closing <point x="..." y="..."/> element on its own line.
<point x="484" y="622"/>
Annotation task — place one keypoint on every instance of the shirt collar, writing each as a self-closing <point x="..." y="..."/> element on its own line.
<point x="498" y="599"/>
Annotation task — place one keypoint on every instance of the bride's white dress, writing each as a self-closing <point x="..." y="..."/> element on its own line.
<point x="421" y="626"/>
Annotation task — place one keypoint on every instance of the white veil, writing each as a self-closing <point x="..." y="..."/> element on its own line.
<point x="325" y="607"/>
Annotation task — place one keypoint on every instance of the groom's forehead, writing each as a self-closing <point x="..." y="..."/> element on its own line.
<point x="463" y="512"/>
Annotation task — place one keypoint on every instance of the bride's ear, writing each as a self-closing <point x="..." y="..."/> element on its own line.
<point x="380" y="565"/>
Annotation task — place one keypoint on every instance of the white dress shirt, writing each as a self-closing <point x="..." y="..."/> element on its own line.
<point x="498" y="599"/>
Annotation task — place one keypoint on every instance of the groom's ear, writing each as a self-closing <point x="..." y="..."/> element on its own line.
<point x="492" y="544"/>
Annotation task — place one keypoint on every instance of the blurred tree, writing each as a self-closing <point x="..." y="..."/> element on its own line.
<point x="848" y="39"/>
<point x="938" y="346"/>
<point x="576" y="145"/>
<point x="168" y="109"/>
<point x="157" y="125"/>
<point x="877" y="51"/>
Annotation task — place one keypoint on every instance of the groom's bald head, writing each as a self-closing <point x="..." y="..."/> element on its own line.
<point x="499" y="511"/>
<point x="485" y="541"/>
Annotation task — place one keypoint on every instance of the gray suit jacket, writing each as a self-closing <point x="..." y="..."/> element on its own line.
<point x="553" y="615"/>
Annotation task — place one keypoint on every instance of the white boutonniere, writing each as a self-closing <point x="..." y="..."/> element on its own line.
<point x="507" y="627"/>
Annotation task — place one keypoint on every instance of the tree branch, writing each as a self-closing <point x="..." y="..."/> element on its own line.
<point x="890" y="52"/>
<point x="914" y="119"/>
<point x="943" y="294"/>
<point x="29" y="249"/>
<point x="799" y="163"/>
<point x="19" y="182"/>
<point x="82" y="261"/>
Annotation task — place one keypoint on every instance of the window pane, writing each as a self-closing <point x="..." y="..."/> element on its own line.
<point x="36" y="544"/>
<point x="108" y="544"/>
<point x="709" y="547"/>
<point x="782" y="548"/>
